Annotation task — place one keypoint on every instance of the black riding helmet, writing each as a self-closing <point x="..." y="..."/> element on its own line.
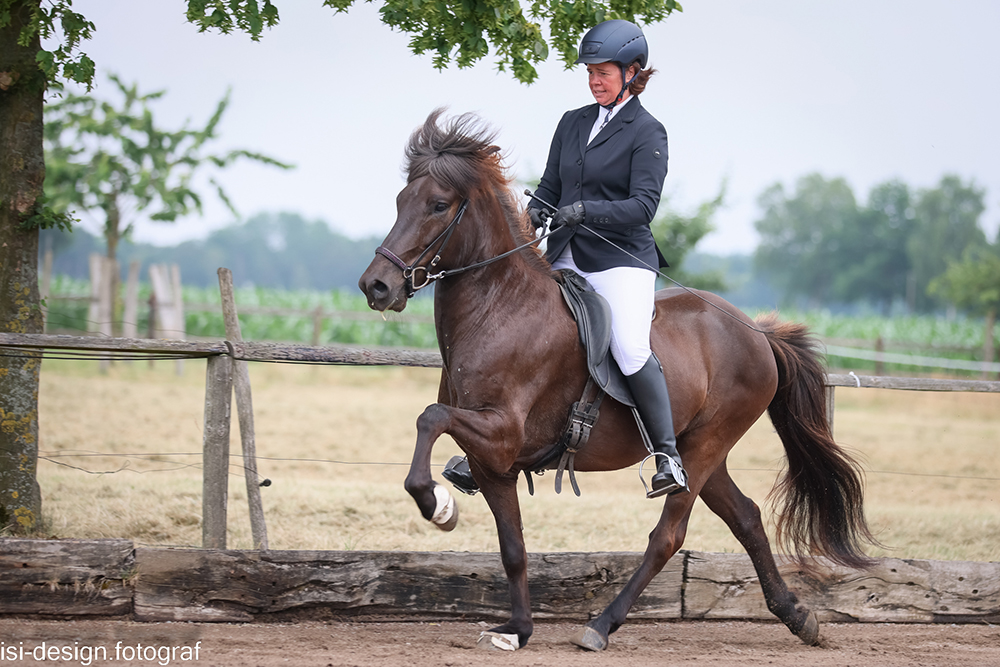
<point x="617" y="41"/>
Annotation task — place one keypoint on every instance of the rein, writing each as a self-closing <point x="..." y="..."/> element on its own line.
<point x="410" y="271"/>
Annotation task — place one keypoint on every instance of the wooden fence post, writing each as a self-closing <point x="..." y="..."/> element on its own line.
<point x="317" y="325"/>
<point x="107" y="268"/>
<point x="130" y="317"/>
<point x="829" y="406"/>
<point x="43" y="285"/>
<point x="94" y="306"/>
<point x="879" y="356"/>
<point x="179" y="322"/>
<point x="166" y="282"/>
<point x="215" y="454"/>
<point x="244" y="409"/>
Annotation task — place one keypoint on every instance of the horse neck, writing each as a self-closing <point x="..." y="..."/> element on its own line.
<point x="487" y="299"/>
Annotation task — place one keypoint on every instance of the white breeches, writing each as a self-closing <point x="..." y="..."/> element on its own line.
<point x="629" y="290"/>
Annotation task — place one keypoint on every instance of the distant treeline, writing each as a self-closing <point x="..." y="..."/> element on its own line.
<point x="280" y="250"/>
<point x="285" y="251"/>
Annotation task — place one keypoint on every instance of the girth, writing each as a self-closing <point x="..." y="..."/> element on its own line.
<point x="582" y="418"/>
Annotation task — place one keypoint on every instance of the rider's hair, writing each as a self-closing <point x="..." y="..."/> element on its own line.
<point x="639" y="82"/>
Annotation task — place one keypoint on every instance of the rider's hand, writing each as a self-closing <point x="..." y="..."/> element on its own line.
<point x="539" y="217"/>
<point x="570" y="216"/>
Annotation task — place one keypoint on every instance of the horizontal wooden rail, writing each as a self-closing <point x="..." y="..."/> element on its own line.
<point x="249" y="351"/>
<point x="337" y="354"/>
<point x="910" y="383"/>
<point x="82" y="578"/>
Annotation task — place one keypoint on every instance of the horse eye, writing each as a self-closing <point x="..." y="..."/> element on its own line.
<point x="440" y="207"/>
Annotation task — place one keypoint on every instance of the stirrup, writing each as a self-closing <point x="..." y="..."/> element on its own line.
<point x="458" y="473"/>
<point x="677" y="483"/>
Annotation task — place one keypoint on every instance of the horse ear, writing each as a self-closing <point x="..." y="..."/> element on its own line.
<point x="490" y="150"/>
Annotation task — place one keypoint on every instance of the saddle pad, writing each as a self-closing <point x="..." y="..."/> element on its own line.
<point x="593" y="320"/>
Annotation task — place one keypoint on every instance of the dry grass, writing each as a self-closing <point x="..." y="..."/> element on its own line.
<point x="931" y="461"/>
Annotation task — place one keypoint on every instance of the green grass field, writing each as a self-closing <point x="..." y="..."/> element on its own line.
<point x="926" y="335"/>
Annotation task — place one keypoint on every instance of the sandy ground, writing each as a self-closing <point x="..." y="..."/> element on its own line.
<point x="413" y="644"/>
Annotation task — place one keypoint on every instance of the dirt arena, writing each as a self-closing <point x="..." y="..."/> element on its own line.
<point x="413" y="644"/>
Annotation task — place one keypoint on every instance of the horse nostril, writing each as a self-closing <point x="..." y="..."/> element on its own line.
<point x="378" y="289"/>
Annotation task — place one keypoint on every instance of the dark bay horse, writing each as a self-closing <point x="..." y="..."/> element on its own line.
<point x="513" y="365"/>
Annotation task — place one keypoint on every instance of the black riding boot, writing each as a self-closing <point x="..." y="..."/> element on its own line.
<point x="457" y="471"/>
<point x="649" y="389"/>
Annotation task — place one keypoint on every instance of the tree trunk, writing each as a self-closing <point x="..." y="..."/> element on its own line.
<point x="22" y="172"/>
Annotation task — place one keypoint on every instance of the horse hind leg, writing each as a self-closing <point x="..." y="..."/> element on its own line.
<point x="664" y="541"/>
<point x="742" y="516"/>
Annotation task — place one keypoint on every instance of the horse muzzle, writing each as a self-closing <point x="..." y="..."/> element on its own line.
<point x="384" y="290"/>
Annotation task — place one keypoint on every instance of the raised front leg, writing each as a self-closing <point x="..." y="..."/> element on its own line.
<point x="436" y="503"/>
<point x="742" y="516"/>
<point x="492" y="443"/>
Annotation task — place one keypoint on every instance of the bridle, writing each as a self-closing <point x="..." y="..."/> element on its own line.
<point x="412" y="270"/>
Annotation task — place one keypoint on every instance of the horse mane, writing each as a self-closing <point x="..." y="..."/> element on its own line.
<point x="460" y="154"/>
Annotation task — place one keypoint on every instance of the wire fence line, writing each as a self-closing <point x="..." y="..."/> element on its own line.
<point x="880" y="356"/>
<point x="52" y="457"/>
<point x="224" y="356"/>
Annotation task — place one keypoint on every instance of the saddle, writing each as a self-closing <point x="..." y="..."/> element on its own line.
<point x="593" y="319"/>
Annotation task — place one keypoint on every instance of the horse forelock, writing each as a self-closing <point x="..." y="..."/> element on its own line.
<point x="458" y="154"/>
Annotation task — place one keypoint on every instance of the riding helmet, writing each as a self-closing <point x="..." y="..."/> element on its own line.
<point x="614" y="41"/>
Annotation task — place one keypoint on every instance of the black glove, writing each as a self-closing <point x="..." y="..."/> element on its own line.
<point x="570" y="216"/>
<point x="539" y="217"/>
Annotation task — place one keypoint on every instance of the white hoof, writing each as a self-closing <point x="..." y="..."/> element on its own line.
<point x="498" y="640"/>
<point x="446" y="511"/>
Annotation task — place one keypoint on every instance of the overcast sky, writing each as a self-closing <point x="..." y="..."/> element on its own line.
<point x="754" y="92"/>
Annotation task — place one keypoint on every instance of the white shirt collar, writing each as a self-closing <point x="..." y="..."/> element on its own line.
<point x="604" y="117"/>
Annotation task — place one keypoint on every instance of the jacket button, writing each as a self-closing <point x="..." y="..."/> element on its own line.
<point x="577" y="186"/>
<point x="579" y="162"/>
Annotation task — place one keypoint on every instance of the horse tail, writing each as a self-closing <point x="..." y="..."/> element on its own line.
<point x="820" y="497"/>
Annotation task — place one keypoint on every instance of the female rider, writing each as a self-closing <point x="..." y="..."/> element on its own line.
<point x="605" y="173"/>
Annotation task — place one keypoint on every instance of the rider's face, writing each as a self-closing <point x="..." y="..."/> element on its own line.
<point x="605" y="82"/>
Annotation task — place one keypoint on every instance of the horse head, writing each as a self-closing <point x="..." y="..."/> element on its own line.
<point x="446" y="167"/>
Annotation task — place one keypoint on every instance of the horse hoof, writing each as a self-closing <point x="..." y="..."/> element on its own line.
<point x="446" y="512"/>
<point x="590" y="639"/>
<point x="809" y="634"/>
<point x="497" y="641"/>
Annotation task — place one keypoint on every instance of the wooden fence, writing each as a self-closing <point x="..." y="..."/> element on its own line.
<point x="190" y="584"/>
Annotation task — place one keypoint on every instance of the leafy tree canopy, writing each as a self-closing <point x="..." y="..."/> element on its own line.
<point x="972" y="282"/>
<point x="818" y="243"/>
<point x="947" y="222"/>
<point x="452" y="30"/>
<point x="116" y="160"/>
<point x="803" y="234"/>
<point x="677" y="234"/>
